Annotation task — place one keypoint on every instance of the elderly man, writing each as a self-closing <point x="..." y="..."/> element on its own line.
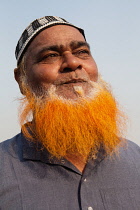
<point x="70" y="154"/>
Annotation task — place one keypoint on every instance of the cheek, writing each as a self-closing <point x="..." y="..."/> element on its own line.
<point x="43" y="75"/>
<point x="92" y="70"/>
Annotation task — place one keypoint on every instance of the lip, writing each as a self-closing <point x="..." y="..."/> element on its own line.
<point x="74" y="81"/>
<point x="64" y="81"/>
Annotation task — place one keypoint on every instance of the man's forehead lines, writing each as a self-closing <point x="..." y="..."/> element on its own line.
<point x="73" y="45"/>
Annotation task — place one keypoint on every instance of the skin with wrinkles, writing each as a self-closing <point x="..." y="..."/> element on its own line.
<point x="63" y="60"/>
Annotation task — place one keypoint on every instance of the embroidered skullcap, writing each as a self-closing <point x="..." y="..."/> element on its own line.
<point x="36" y="27"/>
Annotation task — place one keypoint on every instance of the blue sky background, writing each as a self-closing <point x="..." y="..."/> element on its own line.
<point x="113" y="30"/>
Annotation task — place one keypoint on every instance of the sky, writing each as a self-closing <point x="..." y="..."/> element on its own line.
<point x="112" y="29"/>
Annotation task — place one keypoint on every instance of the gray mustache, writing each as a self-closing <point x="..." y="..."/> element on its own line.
<point x="70" y="80"/>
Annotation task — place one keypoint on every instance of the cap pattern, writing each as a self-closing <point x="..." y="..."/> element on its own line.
<point x="34" y="28"/>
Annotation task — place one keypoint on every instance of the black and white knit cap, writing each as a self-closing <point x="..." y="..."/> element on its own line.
<point x="36" y="27"/>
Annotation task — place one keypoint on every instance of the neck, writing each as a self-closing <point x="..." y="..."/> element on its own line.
<point x="77" y="160"/>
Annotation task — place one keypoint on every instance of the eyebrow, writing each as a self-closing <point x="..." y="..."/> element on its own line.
<point x="77" y="44"/>
<point x="59" y="48"/>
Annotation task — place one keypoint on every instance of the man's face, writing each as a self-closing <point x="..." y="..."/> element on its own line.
<point x="60" y="56"/>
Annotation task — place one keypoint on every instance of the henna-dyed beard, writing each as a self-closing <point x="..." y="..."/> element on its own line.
<point x="65" y="126"/>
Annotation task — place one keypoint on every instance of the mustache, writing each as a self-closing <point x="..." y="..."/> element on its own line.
<point x="70" y="79"/>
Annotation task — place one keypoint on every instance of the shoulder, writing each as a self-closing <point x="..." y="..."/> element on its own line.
<point x="125" y="161"/>
<point x="10" y="154"/>
<point x="131" y="144"/>
<point x="130" y="150"/>
<point x="5" y="145"/>
<point x="123" y="167"/>
<point x="10" y="148"/>
<point x="9" y="159"/>
<point x="128" y="153"/>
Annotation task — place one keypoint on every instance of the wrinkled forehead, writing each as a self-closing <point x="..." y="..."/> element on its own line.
<point x="35" y="28"/>
<point x="59" y="36"/>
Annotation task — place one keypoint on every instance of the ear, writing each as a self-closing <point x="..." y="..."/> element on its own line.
<point x="17" y="75"/>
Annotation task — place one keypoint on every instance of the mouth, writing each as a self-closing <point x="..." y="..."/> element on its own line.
<point x="74" y="81"/>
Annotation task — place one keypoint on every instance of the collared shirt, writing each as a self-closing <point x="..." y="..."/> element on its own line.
<point x="31" y="180"/>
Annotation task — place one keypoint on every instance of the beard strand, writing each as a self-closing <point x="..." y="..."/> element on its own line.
<point x="76" y="127"/>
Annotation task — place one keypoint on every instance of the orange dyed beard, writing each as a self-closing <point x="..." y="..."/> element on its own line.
<point x="76" y="127"/>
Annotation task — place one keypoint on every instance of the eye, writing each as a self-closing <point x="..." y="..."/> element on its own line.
<point x="49" y="58"/>
<point x="82" y="53"/>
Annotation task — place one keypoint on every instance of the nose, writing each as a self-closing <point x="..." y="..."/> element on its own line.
<point x="70" y="63"/>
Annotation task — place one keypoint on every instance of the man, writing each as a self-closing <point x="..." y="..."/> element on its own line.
<point x="70" y="153"/>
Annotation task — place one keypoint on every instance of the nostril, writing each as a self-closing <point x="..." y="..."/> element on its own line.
<point x="68" y="69"/>
<point x="65" y="70"/>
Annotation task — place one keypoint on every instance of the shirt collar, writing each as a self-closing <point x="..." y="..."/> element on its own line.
<point x="34" y="151"/>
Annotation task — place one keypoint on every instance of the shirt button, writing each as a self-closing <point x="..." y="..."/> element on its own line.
<point x="85" y="180"/>
<point x="90" y="208"/>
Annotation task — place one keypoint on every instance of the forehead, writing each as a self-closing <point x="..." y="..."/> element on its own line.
<point x="56" y="35"/>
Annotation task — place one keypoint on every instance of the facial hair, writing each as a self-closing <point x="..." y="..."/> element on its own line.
<point x="66" y="126"/>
